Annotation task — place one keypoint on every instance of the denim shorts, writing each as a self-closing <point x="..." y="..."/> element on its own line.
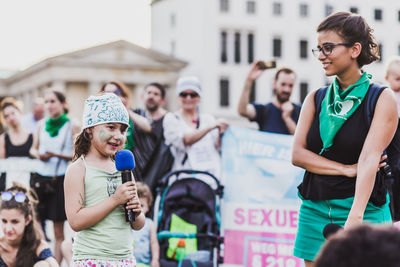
<point x="314" y="215"/>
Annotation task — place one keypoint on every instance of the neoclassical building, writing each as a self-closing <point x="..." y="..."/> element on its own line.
<point x="82" y="73"/>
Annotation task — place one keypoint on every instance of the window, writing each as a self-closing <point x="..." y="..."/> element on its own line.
<point x="277" y="9"/>
<point x="276" y="47"/>
<point x="303" y="49"/>
<point x="303" y="91"/>
<point x="224" y="6"/>
<point x="253" y="93"/>
<point x="398" y="15"/>
<point x="303" y="10"/>
<point x="378" y="14"/>
<point x="224" y="92"/>
<point x="380" y="52"/>
<point x="237" y="47"/>
<point x="173" y="20"/>
<point x="173" y="48"/>
<point x="224" y="54"/>
<point x="251" y="7"/>
<point x="328" y="10"/>
<point x="353" y="10"/>
<point x="250" y="48"/>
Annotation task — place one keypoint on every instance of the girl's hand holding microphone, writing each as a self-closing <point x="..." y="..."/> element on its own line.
<point x="135" y="205"/>
<point x="134" y="202"/>
<point x="125" y="192"/>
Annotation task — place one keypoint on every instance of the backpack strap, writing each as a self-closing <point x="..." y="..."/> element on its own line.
<point x="319" y="96"/>
<point x="372" y="96"/>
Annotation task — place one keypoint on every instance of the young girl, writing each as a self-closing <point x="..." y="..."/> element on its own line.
<point x="21" y="244"/>
<point x="335" y="144"/>
<point x="94" y="195"/>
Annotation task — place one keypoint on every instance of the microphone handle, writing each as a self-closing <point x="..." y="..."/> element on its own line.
<point x="126" y="176"/>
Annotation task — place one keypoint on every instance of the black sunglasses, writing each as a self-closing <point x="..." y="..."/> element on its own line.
<point x="7" y="196"/>
<point x="192" y="95"/>
<point x="118" y="92"/>
<point x="327" y="49"/>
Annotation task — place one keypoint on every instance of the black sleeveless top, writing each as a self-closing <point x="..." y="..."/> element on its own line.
<point x="44" y="254"/>
<point x="346" y="149"/>
<point x="20" y="150"/>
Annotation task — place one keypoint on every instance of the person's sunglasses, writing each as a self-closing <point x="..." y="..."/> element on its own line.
<point x="118" y="92"/>
<point x="7" y="196"/>
<point x="192" y="95"/>
<point x="327" y="49"/>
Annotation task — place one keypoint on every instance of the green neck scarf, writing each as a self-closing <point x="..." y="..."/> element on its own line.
<point x="54" y="125"/>
<point x="338" y="105"/>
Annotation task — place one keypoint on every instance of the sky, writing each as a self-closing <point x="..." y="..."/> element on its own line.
<point x="33" y="30"/>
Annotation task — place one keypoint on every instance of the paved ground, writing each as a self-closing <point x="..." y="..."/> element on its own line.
<point x="68" y="234"/>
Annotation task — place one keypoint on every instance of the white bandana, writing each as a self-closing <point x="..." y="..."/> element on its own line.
<point x="104" y="108"/>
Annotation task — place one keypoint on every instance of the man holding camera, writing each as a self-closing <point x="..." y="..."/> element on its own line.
<point x="278" y="116"/>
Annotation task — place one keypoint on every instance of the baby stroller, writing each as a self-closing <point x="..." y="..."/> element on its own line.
<point x="187" y="217"/>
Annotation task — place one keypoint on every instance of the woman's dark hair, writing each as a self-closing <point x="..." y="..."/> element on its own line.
<point x="159" y="87"/>
<point x="353" y="29"/>
<point x="32" y="235"/>
<point x="349" y="248"/>
<point x="61" y="97"/>
<point x="82" y="144"/>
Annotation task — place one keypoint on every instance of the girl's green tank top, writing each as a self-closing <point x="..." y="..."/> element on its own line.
<point x="111" y="238"/>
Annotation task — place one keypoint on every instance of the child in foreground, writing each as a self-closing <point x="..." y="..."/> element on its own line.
<point x="94" y="193"/>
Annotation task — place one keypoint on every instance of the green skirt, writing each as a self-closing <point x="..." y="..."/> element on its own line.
<point x="314" y="215"/>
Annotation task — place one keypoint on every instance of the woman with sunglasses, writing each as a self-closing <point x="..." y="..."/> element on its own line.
<point x="135" y="120"/>
<point x="21" y="244"/>
<point x="336" y="145"/>
<point x="194" y="138"/>
<point x="16" y="141"/>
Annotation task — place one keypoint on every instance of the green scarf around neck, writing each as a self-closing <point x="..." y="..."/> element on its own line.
<point x="338" y="105"/>
<point x="54" y="125"/>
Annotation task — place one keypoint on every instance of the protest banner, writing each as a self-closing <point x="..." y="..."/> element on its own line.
<point x="260" y="209"/>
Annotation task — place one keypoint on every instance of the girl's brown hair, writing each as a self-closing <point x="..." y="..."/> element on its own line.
<point x="353" y="29"/>
<point x="82" y="144"/>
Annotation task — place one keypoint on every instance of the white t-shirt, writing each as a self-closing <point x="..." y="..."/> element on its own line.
<point x="202" y="155"/>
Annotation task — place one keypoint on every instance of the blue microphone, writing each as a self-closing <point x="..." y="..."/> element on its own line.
<point x="125" y="163"/>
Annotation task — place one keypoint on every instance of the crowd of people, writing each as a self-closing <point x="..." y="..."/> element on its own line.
<point x="76" y="178"/>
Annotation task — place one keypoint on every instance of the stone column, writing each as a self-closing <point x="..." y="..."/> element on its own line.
<point x="59" y="86"/>
<point x="94" y="87"/>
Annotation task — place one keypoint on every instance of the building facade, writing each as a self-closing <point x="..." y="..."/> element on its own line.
<point x="83" y="72"/>
<point x="220" y="38"/>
